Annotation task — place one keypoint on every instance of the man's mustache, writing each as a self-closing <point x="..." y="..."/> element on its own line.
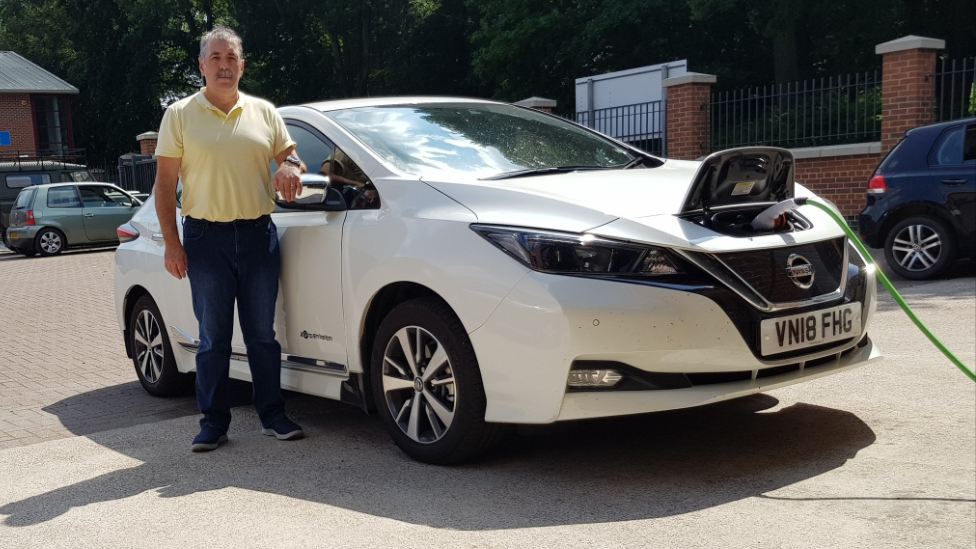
<point x="225" y="74"/>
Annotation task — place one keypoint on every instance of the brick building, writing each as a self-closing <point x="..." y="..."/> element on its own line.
<point x="35" y="108"/>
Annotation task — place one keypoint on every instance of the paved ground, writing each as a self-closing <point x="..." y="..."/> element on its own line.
<point x="883" y="456"/>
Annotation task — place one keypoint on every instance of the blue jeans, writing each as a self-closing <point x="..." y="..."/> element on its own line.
<point x="227" y="262"/>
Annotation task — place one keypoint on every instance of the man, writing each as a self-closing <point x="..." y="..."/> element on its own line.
<point x="221" y="142"/>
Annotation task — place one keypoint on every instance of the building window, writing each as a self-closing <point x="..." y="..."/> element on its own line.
<point x="52" y="114"/>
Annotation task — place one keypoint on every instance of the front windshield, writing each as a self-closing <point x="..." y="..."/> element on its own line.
<point x="472" y="139"/>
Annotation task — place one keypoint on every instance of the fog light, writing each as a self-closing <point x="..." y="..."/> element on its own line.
<point x="594" y="378"/>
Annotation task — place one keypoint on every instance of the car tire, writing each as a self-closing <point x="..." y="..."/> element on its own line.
<point x="448" y="424"/>
<point x="152" y="354"/>
<point x="920" y="247"/>
<point x="50" y="242"/>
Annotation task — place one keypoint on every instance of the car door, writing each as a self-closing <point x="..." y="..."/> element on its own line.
<point x="63" y="209"/>
<point x="952" y="165"/>
<point x="105" y="209"/>
<point x="309" y="322"/>
<point x="172" y="295"/>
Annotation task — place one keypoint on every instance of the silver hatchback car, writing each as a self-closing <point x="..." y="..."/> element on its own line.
<point x="46" y="219"/>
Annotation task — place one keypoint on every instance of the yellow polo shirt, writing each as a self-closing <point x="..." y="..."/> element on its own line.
<point x="226" y="158"/>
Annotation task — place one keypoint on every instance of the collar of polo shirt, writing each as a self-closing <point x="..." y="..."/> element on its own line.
<point x="202" y="99"/>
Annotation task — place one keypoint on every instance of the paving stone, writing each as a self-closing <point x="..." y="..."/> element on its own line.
<point x="63" y="369"/>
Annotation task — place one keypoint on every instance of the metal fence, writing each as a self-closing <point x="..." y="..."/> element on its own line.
<point x="137" y="172"/>
<point x="641" y="125"/>
<point x="825" y="111"/>
<point x="104" y="172"/>
<point x="955" y="91"/>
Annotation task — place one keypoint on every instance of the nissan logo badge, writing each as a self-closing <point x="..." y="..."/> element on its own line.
<point x="800" y="271"/>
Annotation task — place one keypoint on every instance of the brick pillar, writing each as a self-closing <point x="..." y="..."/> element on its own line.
<point x="689" y="130"/>
<point x="907" y="86"/>
<point x="147" y="142"/>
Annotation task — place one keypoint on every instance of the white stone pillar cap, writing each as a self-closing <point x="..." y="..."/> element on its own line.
<point x="910" y="42"/>
<point x="147" y="135"/>
<point x="689" y="78"/>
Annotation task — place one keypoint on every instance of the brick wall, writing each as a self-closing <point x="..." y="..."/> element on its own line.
<point x="840" y="179"/>
<point x="15" y="117"/>
<point x="147" y="146"/>
<point x="908" y="92"/>
<point x="689" y="127"/>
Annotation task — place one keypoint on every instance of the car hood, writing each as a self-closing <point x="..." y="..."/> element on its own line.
<point x="574" y="201"/>
<point x="637" y="205"/>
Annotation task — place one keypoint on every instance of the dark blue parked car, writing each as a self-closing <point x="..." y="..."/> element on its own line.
<point x="922" y="200"/>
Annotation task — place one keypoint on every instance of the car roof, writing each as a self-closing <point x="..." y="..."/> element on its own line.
<point x="70" y="183"/>
<point x="339" y="104"/>
<point x="943" y="125"/>
<point x="39" y="166"/>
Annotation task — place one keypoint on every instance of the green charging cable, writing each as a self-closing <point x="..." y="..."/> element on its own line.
<point x="891" y="289"/>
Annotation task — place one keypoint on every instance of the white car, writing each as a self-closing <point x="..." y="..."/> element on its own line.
<point x="505" y="266"/>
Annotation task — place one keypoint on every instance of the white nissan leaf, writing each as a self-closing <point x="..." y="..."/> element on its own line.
<point x="473" y="264"/>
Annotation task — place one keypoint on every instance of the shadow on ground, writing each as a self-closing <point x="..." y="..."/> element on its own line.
<point x="610" y="470"/>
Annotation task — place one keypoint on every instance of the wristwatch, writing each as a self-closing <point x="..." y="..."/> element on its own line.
<point x="292" y="159"/>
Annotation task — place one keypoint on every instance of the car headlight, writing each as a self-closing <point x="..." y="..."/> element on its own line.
<point x="584" y="254"/>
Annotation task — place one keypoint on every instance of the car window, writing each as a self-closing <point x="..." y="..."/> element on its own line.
<point x="63" y="197"/>
<point x="313" y="148"/>
<point x="103" y="197"/>
<point x="320" y="155"/>
<point x="24" y="198"/>
<point x="19" y="181"/>
<point x="482" y="140"/>
<point x="76" y="176"/>
<point x="948" y="149"/>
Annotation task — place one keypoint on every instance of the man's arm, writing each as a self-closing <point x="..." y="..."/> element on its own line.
<point x="167" y="177"/>
<point x="288" y="178"/>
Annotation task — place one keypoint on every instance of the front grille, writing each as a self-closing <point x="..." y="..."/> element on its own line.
<point x="765" y="270"/>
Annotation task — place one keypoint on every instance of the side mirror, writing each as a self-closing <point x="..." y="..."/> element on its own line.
<point x="317" y="195"/>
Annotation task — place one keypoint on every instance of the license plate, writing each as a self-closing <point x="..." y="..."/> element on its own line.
<point x="788" y="333"/>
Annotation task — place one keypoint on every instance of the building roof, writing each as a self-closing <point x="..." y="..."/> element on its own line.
<point x="18" y="75"/>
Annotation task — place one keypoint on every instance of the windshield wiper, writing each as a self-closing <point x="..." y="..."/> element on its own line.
<point x="543" y="171"/>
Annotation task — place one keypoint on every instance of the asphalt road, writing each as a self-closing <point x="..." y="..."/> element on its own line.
<point x="882" y="456"/>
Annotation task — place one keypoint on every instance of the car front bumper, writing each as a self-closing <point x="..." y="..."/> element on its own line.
<point x="546" y="323"/>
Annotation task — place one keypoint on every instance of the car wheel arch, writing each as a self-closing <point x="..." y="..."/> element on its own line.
<point x="128" y="306"/>
<point x="913" y="209"/>
<point x="383" y="301"/>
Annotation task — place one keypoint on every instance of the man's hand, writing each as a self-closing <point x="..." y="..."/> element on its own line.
<point x="288" y="181"/>
<point x="176" y="260"/>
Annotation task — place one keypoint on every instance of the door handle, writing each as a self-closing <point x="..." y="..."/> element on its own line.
<point x="89" y="215"/>
<point x="157" y="237"/>
<point x="953" y="182"/>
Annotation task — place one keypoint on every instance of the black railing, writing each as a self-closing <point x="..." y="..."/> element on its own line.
<point x="34" y="159"/>
<point x="640" y="125"/>
<point x="825" y="111"/>
<point x="137" y="172"/>
<point x="955" y="91"/>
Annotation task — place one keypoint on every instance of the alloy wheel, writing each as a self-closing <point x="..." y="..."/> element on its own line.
<point x="149" y="351"/>
<point x="917" y="247"/>
<point x="418" y="384"/>
<point x="50" y="242"/>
